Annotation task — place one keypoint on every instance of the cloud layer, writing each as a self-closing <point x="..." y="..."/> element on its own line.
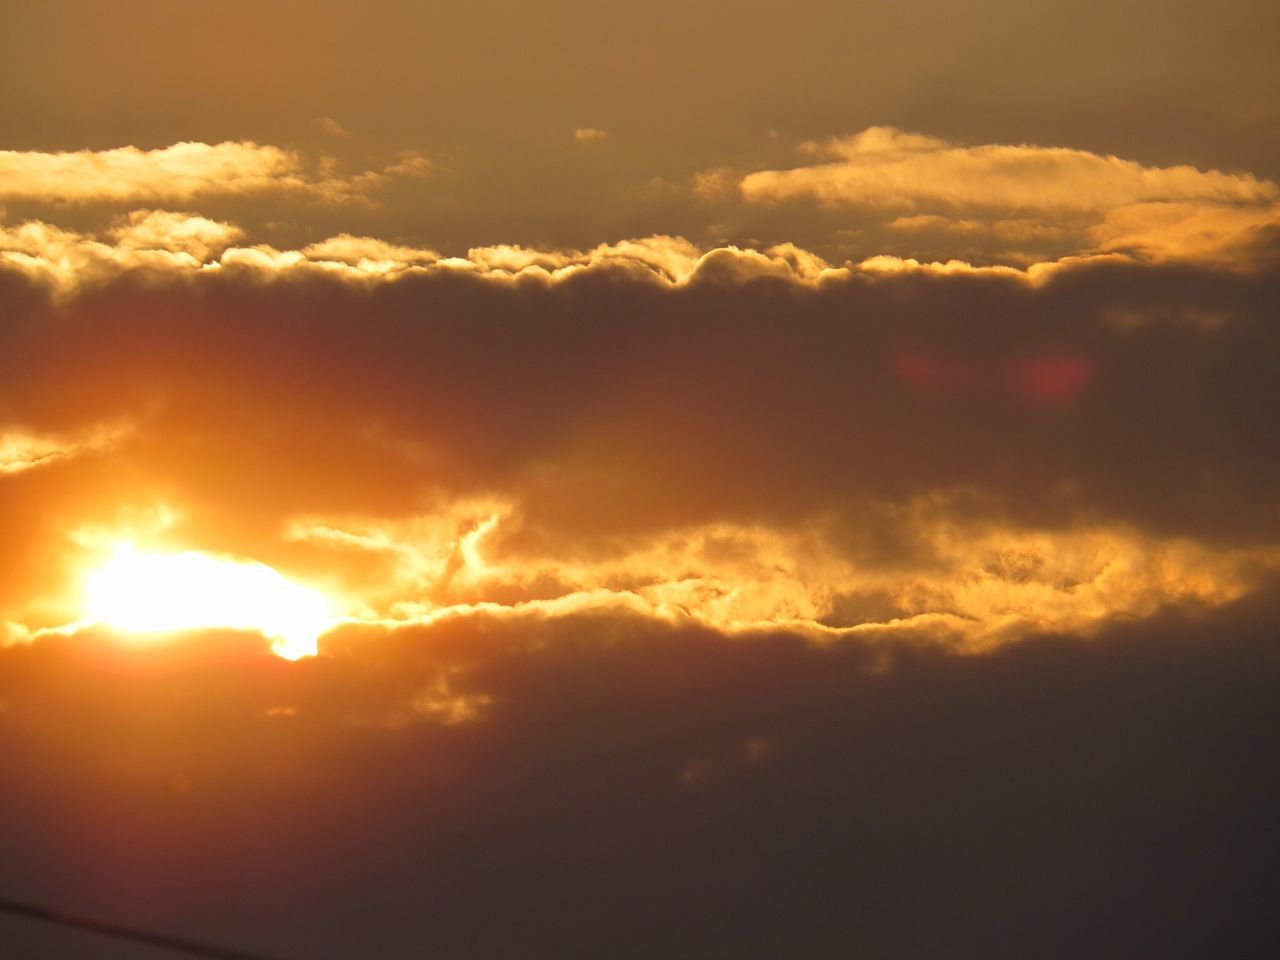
<point x="673" y="596"/>
<point x="732" y="437"/>
<point x="607" y="785"/>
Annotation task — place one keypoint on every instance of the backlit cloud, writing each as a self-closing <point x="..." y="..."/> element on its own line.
<point x="1008" y="198"/>
<point x="488" y="450"/>
<point x="198" y="236"/>
<point x="1204" y="231"/>
<point x="885" y="167"/>
<point x="22" y="450"/>
<point x="969" y="586"/>
<point x="186" y="244"/>
<point x="187" y="171"/>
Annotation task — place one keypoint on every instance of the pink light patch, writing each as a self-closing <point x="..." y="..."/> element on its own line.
<point x="1049" y="379"/>
<point x="1054" y="379"/>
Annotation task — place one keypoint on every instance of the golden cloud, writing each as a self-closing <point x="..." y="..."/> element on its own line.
<point x="1013" y="229"/>
<point x="22" y="450"/>
<point x="68" y="260"/>
<point x="966" y="584"/>
<point x="885" y="167"/>
<point x="1206" y="232"/>
<point x="173" y="232"/>
<point x="186" y="171"/>
<point x="187" y="244"/>
<point x="12" y="633"/>
<point x="1071" y="200"/>
<point x="715" y="472"/>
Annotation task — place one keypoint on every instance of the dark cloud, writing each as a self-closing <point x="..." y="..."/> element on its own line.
<point x="1137" y="394"/>
<point x="1005" y="451"/>
<point x="635" y="790"/>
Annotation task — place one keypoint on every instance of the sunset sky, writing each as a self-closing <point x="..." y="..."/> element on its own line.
<point x="589" y="480"/>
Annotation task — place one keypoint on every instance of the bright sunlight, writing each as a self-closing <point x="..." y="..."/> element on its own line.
<point x="140" y="592"/>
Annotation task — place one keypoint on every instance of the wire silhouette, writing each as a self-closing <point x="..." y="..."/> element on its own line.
<point x="192" y="948"/>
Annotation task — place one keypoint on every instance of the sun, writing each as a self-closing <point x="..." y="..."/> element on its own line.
<point x="143" y="592"/>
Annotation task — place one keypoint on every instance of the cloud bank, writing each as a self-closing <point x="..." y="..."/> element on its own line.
<point x="608" y="785"/>
<point x="734" y="438"/>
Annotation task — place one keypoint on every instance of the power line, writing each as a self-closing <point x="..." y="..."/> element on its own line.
<point x="192" y="948"/>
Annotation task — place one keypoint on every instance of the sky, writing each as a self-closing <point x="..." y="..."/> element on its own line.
<point x="661" y="480"/>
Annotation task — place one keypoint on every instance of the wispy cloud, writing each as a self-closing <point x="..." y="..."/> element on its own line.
<point x="22" y="449"/>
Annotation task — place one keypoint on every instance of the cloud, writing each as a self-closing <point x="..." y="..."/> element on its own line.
<point x="368" y="254"/>
<point x="179" y="244"/>
<point x="1013" y="230"/>
<point x="145" y="240"/>
<point x="735" y="574"/>
<point x="164" y="230"/>
<point x="409" y="163"/>
<point x="607" y="762"/>
<point x="22" y="450"/>
<point x="972" y="585"/>
<point x="13" y="633"/>
<point x="885" y="167"/>
<point x="332" y="127"/>
<point x="735" y="439"/>
<point x="187" y="171"/>
<point x="1006" y="199"/>
<point x="1193" y="231"/>
<point x="714" y="185"/>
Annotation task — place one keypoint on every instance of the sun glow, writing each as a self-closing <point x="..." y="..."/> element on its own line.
<point x="141" y="592"/>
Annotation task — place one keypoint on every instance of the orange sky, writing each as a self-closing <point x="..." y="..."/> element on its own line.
<point x="730" y="456"/>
